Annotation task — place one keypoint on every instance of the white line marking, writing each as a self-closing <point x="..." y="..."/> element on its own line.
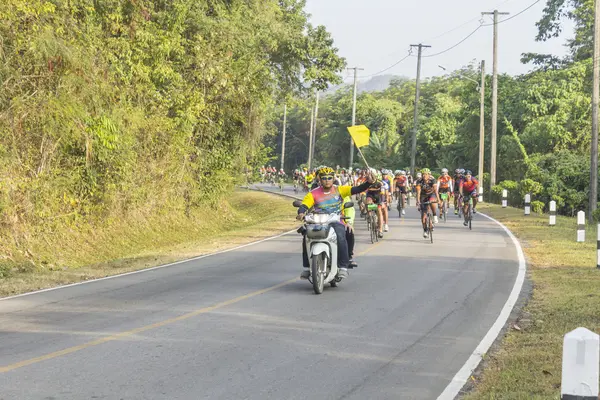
<point x="151" y="269"/>
<point x="461" y="377"/>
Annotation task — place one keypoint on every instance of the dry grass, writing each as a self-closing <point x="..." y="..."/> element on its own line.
<point x="566" y="295"/>
<point x="71" y="255"/>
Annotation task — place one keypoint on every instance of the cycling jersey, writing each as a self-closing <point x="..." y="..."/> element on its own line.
<point x="469" y="186"/>
<point x="427" y="185"/>
<point x="444" y="183"/>
<point x="458" y="179"/>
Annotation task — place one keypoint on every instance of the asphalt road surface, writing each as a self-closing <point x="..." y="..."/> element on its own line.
<point x="241" y="325"/>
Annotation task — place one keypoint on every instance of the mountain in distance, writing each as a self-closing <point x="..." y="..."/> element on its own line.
<point x="375" y="84"/>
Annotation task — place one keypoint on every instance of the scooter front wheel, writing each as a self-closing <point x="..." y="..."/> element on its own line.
<point x="318" y="272"/>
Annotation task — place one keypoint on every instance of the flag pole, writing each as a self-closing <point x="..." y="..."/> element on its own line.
<point x="363" y="157"/>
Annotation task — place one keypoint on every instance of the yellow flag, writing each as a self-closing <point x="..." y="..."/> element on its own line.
<point x="360" y="134"/>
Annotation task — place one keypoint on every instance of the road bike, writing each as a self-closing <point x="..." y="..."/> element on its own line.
<point x="444" y="207"/>
<point x="469" y="214"/>
<point x="373" y="222"/>
<point x="428" y="219"/>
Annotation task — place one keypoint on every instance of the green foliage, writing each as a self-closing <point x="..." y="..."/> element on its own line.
<point x="111" y="107"/>
<point x="537" y="206"/>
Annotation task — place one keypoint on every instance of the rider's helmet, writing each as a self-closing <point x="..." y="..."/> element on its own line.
<point x="325" y="171"/>
<point x="403" y="173"/>
<point x="457" y="171"/>
<point x="397" y="172"/>
<point x="426" y="171"/>
<point x="468" y="172"/>
<point x="419" y="175"/>
<point x="444" y="170"/>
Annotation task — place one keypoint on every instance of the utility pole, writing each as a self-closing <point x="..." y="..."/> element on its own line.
<point x="310" y="138"/>
<point x="482" y="123"/>
<point x="413" y="153"/>
<point x="283" y="138"/>
<point x="595" y="99"/>
<point x="356" y="69"/>
<point x="314" y="138"/>
<point x="495" y="13"/>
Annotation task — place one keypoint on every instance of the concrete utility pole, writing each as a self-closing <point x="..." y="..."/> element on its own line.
<point x="482" y="123"/>
<point x="283" y="138"/>
<point x="356" y="69"/>
<point x="595" y="99"/>
<point x="413" y="153"/>
<point x="310" y="138"/>
<point x="495" y="13"/>
<point x="314" y="137"/>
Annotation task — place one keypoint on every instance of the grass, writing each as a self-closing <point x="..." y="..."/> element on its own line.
<point x="566" y="295"/>
<point x="67" y="254"/>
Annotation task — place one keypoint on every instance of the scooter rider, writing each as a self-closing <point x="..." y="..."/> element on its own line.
<point x="328" y="198"/>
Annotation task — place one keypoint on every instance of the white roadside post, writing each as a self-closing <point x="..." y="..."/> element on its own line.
<point x="581" y="226"/>
<point x="480" y="195"/>
<point x="598" y="248"/>
<point x="504" y="198"/>
<point x="552" y="213"/>
<point x="527" y="204"/>
<point x="580" y="365"/>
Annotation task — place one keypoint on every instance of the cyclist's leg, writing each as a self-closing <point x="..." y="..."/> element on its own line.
<point x="475" y="199"/>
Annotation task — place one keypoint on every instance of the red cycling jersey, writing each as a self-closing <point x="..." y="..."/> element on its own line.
<point x="469" y="185"/>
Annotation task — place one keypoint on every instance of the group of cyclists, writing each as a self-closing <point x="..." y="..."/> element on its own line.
<point x="329" y="189"/>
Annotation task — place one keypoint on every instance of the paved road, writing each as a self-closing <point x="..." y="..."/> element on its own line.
<point x="240" y="325"/>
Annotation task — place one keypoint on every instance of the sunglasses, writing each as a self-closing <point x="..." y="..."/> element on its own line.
<point x="327" y="178"/>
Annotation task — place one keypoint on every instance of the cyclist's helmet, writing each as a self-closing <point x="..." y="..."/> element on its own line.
<point x="325" y="171"/>
<point x="444" y="170"/>
<point x="468" y="172"/>
<point x="403" y="173"/>
<point x="426" y="171"/>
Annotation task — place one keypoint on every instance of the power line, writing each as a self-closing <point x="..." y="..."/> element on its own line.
<point x="390" y="67"/>
<point x="516" y="15"/>
<point x="481" y="25"/>
<point x="457" y="44"/>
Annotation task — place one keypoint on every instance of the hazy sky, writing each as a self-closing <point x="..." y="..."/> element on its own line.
<point x="374" y="34"/>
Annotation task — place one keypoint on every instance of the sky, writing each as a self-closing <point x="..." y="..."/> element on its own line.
<point x="375" y="34"/>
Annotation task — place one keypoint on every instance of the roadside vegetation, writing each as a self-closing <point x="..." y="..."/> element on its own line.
<point x="566" y="295"/>
<point x="123" y="120"/>
<point x="69" y="254"/>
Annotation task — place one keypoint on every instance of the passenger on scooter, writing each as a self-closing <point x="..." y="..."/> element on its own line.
<point x="328" y="199"/>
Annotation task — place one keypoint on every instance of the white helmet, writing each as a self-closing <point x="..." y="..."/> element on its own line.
<point x="419" y="175"/>
<point x="402" y="172"/>
<point x="444" y="170"/>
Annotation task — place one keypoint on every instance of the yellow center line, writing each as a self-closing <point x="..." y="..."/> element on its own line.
<point x="132" y="332"/>
<point x="370" y="248"/>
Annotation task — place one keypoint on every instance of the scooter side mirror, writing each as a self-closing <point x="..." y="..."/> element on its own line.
<point x="349" y="204"/>
<point x="297" y="203"/>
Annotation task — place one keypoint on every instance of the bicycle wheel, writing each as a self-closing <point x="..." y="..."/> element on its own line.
<point x="470" y="215"/>
<point x="429" y="224"/>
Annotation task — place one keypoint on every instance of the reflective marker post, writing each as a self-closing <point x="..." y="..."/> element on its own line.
<point x="581" y="227"/>
<point x="580" y="365"/>
<point x="480" y="194"/>
<point x="504" y="198"/>
<point x="527" y="204"/>
<point x="552" y="213"/>
<point x="598" y="248"/>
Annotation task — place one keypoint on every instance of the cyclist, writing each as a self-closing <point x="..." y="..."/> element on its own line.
<point x="458" y="178"/>
<point x="376" y="194"/>
<point x="444" y="184"/>
<point x="401" y="187"/>
<point x="329" y="198"/>
<point x="469" y="185"/>
<point x="427" y="191"/>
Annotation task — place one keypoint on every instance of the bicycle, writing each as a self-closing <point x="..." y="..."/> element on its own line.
<point x="469" y="215"/>
<point x="444" y="208"/>
<point x="428" y="219"/>
<point x="459" y="205"/>
<point x="373" y="222"/>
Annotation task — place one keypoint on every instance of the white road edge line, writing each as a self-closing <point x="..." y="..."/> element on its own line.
<point x="152" y="268"/>
<point x="461" y="377"/>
